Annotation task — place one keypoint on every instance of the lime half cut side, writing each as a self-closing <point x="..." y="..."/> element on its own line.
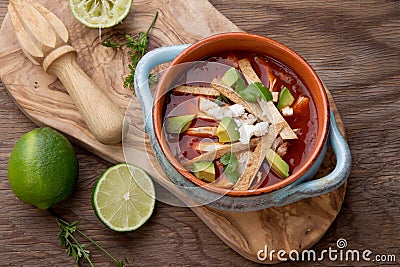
<point x="100" y="13"/>
<point x="124" y="197"/>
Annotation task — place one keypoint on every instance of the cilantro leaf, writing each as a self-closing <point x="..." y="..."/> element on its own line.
<point x="232" y="176"/>
<point x="256" y="91"/>
<point x="230" y="163"/>
<point x="226" y="159"/>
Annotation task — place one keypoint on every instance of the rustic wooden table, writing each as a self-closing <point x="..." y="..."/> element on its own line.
<point x="354" y="47"/>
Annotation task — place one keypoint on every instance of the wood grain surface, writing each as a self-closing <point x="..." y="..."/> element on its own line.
<point x="353" y="47"/>
<point x="296" y="226"/>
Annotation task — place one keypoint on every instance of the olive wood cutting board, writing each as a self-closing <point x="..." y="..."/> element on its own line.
<point x="44" y="100"/>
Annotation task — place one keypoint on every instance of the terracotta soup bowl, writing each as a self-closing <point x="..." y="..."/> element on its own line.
<point x="299" y="184"/>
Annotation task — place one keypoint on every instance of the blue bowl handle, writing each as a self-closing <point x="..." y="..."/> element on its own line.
<point x="146" y="64"/>
<point x="325" y="184"/>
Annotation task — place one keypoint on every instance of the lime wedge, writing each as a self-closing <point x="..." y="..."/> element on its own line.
<point x="100" y="13"/>
<point x="124" y="197"/>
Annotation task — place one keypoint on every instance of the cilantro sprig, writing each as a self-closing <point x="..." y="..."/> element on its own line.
<point x="256" y="91"/>
<point x="230" y="163"/>
<point x="138" y="47"/>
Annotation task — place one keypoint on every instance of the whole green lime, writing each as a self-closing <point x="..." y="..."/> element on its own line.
<point x="43" y="168"/>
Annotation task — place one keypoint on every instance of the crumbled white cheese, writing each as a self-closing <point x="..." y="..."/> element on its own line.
<point x="236" y="111"/>
<point x="248" y="118"/>
<point x="247" y="131"/>
<point x="261" y="128"/>
<point x="287" y="111"/>
<point x="245" y="119"/>
<point x="206" y="104"/>
<point x="215" y="113"/>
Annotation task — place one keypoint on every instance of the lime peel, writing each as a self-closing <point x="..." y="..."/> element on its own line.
<point x="43" y="168"/>
<point x="100" y="13"/>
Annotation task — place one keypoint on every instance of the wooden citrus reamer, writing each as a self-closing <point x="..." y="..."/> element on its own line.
<point x="44" y="40"/>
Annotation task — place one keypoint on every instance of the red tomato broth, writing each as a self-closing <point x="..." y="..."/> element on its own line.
<point x="181" y="145"/>
<point x="306" y="122"/>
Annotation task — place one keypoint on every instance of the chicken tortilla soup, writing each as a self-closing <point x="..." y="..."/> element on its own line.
<point x="241" y="122"/>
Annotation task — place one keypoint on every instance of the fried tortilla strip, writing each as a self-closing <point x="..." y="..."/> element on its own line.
<point x="268" y="108"/>
<point x="257" y="182"/>
<point x="207" y="146"/>
<point x="275" y="95"/>
<point x="202" y="131"/>
<point x="275" y="116"/>
<point x="251" y="77"/>
<point x="272" y="83"/>
<point x="229" y="93"/>
<point x="204" y="117"/>
<point x="220" y="151"/>
<point x="196" y="90"/>
<point x="248" y="72"/>
<point x="257" y="158"/>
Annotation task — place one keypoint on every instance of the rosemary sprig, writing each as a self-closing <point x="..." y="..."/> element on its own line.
<point x="77" y="250"/>
<point x="138" y="47"/>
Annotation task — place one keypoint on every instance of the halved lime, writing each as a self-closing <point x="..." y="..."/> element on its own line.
<point x="100" y="13"/>
<point x="124" y="197"/>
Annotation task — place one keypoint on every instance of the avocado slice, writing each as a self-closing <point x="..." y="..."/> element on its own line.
<point x="179" y="124"/>
<point x="277" y="163"/>
<point x="233" y="80"/>
<point x="240" y="85"/>
<point x="230" y="77"/>
<point x="204" y="170"/>
<point x="227" y="130"/>
<point x="285" y="98"/>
